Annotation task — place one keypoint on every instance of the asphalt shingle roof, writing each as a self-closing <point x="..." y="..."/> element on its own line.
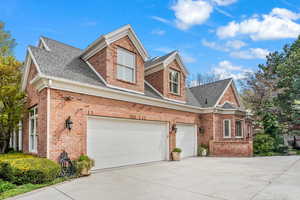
<point x="228" y="106"/>
<point x="158" y="59"/>
<point x="63" y="61"/>
<point x="208" y="94"/>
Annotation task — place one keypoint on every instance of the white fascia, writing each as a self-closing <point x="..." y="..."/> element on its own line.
<point x="83" y="88"/>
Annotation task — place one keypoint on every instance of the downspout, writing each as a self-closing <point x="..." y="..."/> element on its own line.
<point x="48" y="117"/>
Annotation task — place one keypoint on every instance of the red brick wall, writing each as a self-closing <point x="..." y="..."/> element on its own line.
<point x="231" y="148"/>
<point x="229" y="96"/>
<point x="98" y="61"/>
<point x="156" y="79"/>
<point x="81" y="106"/>
<point x="206" y="122"/>
<point x="40" y="99"/>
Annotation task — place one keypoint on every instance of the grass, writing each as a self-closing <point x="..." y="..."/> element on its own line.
<point x="28" y="187"/>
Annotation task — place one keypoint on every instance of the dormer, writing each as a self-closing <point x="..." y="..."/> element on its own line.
<point x="167" y="74"/>
<point x="118" y="58"/>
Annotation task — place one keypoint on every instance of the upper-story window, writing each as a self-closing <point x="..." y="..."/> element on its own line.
<point x="125" y="65"/>
<point x="174" y="77"/>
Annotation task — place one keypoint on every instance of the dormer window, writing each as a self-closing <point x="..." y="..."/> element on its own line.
<point x="126" y="65"/>
<point x="174" y="78"/>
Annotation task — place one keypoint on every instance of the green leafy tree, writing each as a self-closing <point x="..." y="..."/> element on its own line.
<point x="7" y="43"/>
<point x="12" y="99"/>
<point x="289" y="86"/>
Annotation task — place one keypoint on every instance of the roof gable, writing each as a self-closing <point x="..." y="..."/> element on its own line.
<point x="209" y="94"/>
<point x="165" y="60"/>
<point x="113" y="36"/>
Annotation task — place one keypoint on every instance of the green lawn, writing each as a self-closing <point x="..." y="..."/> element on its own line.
<point x="27" y="188"/>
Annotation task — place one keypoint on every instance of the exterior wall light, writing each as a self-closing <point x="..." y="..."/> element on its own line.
<point x="174" y="128"/>
<point x="69" y="123"/>
<point x="201" y="130"/>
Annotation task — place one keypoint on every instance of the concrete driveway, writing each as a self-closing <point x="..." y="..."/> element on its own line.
<point x="264" y="178"/>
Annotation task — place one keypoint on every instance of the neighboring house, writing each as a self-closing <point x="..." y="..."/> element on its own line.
<point x="113" y="103"/>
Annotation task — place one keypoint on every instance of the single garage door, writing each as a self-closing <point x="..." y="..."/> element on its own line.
<point x="186" y="139"/>
<point x="115" y="142"/>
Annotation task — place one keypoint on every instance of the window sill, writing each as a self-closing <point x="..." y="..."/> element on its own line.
<point x="128" y="82"/>
<point x="175" y="94"/>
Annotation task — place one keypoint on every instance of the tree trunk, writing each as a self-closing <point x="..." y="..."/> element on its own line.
<point x="3" y="146"/>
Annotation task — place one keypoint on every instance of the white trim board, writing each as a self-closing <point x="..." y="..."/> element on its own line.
<point x="163" y="64"/>
<point x="113" y="36"/>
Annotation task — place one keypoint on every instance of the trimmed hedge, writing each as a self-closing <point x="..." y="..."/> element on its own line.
<point x="28" y="169"/>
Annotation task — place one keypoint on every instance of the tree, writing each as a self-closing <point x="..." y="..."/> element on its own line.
<point x="202" y="79"/>
<point x="289" y="86"/>
<point x="7" y="43"/>
<point x="12" y="99"/>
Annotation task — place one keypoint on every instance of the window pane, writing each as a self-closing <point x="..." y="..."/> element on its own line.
<point x="32" y="141"/>
<point x="31" y="126"/>
<point x="125" y="58"/>
<point x="239" y="128"/>
<point x="128" y="74"/>
<point x="176" y="75"/>
<point x="120" y="72"/>
<point x="226" y="124"/>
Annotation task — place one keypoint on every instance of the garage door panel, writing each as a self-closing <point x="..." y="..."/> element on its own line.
<point x="117" y="142"/>
<point x="186" y="139"/>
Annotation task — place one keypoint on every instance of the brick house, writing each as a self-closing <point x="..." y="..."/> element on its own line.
<point x="113" y="103"/>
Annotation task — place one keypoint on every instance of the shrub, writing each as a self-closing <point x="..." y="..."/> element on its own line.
<point x="10" y="156"/>
<point x="201" y="148"/>
<point x="29" y="170"/>
<point x="5" y="186"/>
<point x="83" y="163"/>
<point x="263" y="143"/>
<point x="178" y="150"/>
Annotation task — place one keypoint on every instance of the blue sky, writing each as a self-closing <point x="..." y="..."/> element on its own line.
<point x="226" y="37"/>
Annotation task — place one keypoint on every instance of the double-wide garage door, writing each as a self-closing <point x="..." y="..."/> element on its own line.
<point x="113" y="142"/>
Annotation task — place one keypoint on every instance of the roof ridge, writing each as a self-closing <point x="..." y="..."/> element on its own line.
<point x="61" y="42"/>
<point x="210" y="83"/>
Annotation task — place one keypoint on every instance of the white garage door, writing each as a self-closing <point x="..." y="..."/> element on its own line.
<point x="115" y="142"/>
<point x="186" y="139"/>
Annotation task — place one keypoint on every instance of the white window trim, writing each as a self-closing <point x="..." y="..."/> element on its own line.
<point x="172" y="82"/>
<point x="229" y="128"/>
<point x="242" y="129"/>
<point x="134" y="67"/>
<point x="35" y="117"/>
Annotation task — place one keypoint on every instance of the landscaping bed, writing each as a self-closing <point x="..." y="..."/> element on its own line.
<point x="20" y="173"/>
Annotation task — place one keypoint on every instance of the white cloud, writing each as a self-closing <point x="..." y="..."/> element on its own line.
<point x="158" y="32"/>
<point x="225" y="69"/>
<point x="223" y="12"/>
<point x="252" y="53"/>
<point x="187" y="58"/>
<point x="235" y="44"/>
<point x="160" y="19"/>
<point x="231" y="44"/>
<point x="224" y="2"/>
<point x="163" y="49"/>
<point x="190" y="12"/>
<point x="214" y="45"/>
<point x="276" y="25"/>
